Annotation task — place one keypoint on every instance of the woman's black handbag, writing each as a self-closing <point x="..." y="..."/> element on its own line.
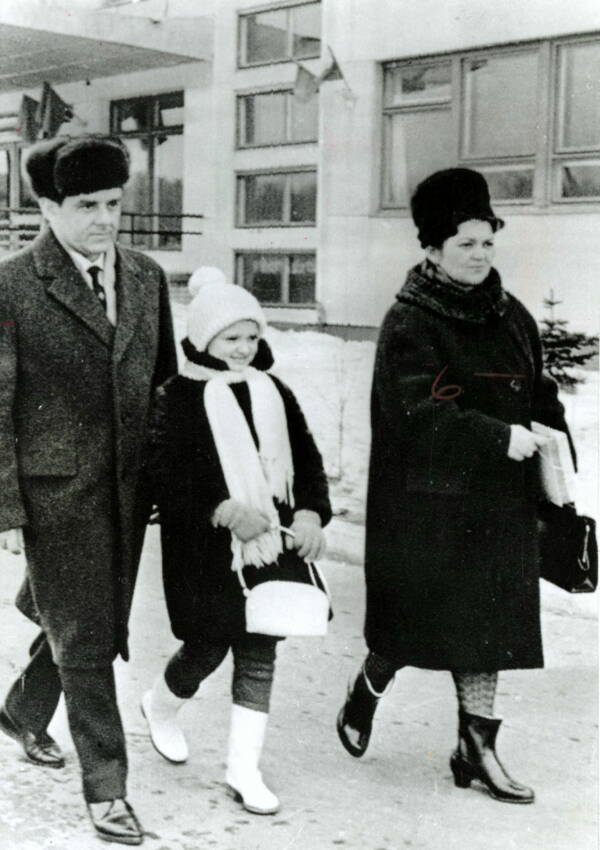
<point x="568" y="548"/>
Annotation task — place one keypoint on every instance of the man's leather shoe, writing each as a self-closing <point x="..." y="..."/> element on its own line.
<point x="39" y="749"/>
<point x="115" y="821"/>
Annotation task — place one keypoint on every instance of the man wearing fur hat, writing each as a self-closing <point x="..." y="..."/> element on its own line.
<point x="85" y="337"/>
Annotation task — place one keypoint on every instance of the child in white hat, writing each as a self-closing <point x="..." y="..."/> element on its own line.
<point x="232" y="461"/>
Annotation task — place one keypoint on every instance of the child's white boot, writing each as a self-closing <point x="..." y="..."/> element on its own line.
<point x="160" y="707"/>
<point x="246" y="738"/>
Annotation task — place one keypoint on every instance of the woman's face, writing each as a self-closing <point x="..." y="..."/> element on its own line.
<point x="236" y="345"/>
<point x="467" y="256"/>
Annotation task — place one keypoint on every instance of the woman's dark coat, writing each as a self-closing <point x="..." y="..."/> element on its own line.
<point x="451" y="551"/>
<point x="75" y="399"/>
<point x="203" y="593"/>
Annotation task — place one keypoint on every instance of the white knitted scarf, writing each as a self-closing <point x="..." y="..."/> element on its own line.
<point x="253" y="477"/>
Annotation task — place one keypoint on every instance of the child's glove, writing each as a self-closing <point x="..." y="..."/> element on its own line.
<point x="308" y="538"/>
<point x="246" y="523"/>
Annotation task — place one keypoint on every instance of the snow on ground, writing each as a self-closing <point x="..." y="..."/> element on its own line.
<point x="331" y="378"/>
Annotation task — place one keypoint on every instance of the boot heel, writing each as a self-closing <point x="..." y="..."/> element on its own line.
<point x="463" y="775"/>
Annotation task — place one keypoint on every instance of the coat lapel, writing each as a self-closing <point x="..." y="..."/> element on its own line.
<point x="130" y="301"/>
<point x="64" y="283"/>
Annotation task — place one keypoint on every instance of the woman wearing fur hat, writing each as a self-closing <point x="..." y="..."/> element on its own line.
<point x="451" y="552"/>
<point x="233" y="461"/>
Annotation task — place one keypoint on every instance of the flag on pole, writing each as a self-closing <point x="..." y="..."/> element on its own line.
<point x="52" y="112"/>
<point x="28" y="127"/>
<point x="333" y="72"/>
<point x="306" y="85"/>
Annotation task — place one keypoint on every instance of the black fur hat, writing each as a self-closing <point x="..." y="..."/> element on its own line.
<point x="61" y="167"/>
<point x="446" y="199"/>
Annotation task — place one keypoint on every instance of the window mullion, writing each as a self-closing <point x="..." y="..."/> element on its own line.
<point x="290" y="34"/>
<point x="240" y="119"/>
<point x="287" y="199"/>
<point x="289" y="105"/>
<point x="243" y="40"/>
<point x="153" y="181"/>
<point x="458" y="106"/>
<point x="241" y="201"/>
<point x="285" y="281"/>
<point x="546" y="104"/>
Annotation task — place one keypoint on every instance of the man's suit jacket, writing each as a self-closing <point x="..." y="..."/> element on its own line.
<point x="75" y="394"/>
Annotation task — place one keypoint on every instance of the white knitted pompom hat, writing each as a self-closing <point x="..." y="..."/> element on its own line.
<point x="218" y="304"/>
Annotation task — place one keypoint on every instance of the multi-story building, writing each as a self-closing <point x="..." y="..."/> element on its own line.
<point x="305" y="199"/>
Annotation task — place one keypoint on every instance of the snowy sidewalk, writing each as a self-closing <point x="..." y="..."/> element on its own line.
<point x="400" y="795"/>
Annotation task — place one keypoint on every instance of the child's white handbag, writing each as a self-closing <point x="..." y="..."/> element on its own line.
<point x="288" y="608"/>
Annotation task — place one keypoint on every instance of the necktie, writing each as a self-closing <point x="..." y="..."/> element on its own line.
<point x="94" y="273"/>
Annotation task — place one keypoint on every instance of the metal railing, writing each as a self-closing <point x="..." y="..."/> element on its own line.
<point x="19" y="225"/>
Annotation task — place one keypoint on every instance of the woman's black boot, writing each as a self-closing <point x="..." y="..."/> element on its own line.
<point x="355" y="720"/>
<point x="475" y="758"/>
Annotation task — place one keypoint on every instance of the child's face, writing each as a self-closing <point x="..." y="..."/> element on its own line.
<point x="236" y="345"/>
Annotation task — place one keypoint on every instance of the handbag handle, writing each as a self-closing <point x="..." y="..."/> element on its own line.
<point x="584" y="561"/>
<point x="313" y="570"/>
<point x="240" y="572"/>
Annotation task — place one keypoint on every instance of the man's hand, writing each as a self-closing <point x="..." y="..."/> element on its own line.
<point x="523" y="443"/>
<point x="308" y="537"/>
<point x="12" y="540"/>
<point x="245" y="522"/>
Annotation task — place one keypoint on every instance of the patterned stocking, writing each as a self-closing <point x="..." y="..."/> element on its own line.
<point x="476" y="692"/>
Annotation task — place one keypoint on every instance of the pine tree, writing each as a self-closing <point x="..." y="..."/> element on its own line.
<point x="564" y="350"/>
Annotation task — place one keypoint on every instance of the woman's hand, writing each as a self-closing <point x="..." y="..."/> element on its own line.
<point x="245" y="522"/>
<point x="308" y="537"/>
<point x="523" y="443"/>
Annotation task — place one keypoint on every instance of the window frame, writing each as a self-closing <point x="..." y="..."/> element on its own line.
<point x="558" y="154"/>
<point x="153" y="106"/>
<point x="547" y="156"/>
<point x="283" y="5"/>
<point x="240" y="197"/>
<point x="240" y="107"/>
<point x="239" y="255"/>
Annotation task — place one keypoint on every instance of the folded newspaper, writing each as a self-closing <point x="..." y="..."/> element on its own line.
<point x="557" y="472"/>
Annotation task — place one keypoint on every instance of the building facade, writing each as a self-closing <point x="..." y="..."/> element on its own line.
<point x="303" y="197"/>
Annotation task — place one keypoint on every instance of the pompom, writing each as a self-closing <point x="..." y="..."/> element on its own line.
<point x="204" y="275"/>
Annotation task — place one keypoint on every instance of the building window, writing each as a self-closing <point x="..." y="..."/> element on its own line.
<point x="152" y="130"/>
<point x="278" y="279"/>
<point x="275" y="198"/>
<point x="280" y="35"/>
<point x="489" y="110"/>
<point x="276" y="118"/>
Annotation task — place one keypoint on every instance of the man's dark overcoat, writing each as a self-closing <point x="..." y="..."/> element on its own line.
<point x="75" y="395"/>
<point x="451" y="552"/>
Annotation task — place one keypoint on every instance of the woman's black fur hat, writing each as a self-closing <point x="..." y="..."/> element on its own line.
<point x="446" y="199"/>
<point x="61" y="167"/>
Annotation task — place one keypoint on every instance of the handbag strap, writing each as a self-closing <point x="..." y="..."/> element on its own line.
<point x="584" y="560"/>
<point x="240" y="572"/>
<point x="313" y="570"/>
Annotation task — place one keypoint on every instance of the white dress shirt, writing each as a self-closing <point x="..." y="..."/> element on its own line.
<point x="106" y="263"/>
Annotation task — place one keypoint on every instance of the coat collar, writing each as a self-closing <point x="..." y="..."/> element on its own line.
<point x="64" y="283"/>
<point x="130" y="300"/>
<point x="438" y="293"/>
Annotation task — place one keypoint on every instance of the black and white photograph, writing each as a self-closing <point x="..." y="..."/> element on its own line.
<point x="299" y="424"/>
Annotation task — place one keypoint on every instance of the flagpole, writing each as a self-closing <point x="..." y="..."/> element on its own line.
<point x="333" y="57"/>
<point x="80" y="121"/>
<point x="348" y="94"/>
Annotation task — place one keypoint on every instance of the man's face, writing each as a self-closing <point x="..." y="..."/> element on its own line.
<point x="86" y="223"/>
